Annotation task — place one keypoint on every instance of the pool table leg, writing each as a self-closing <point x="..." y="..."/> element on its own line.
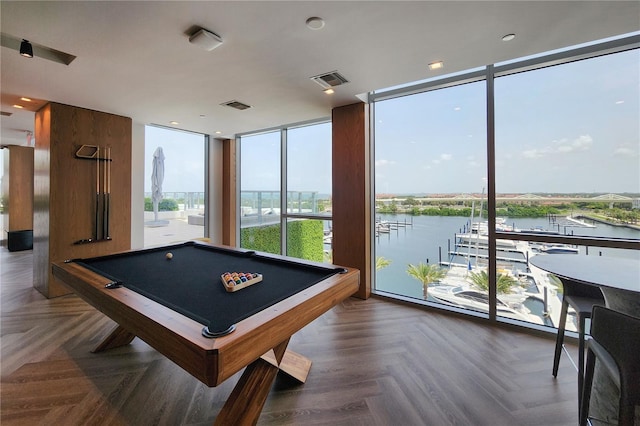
<point x="119" y="336"/>
<point x="293" y="364"/>
<point x="250" y="393"/>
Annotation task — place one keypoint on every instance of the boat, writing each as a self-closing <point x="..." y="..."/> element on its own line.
<point x="579" y="223"/>
<point x="558" y="249"/>
<point x="482" y="240"/>
<point x="468" y="298"/>
<point x="483" y="227"/>
<point x="383" y="227"/>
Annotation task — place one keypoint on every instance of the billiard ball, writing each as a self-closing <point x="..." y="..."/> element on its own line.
<point x="169" y="255"/>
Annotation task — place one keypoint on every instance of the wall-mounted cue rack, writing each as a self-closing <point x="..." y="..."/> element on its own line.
<point x="101" y="207"/>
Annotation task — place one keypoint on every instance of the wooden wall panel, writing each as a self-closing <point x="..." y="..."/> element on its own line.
<point x="351" y="192"/>
<point x="18" y="188"/>
<point x="66" y="188"/>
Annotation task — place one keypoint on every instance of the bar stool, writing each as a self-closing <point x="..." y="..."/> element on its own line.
<point x="582" y="298"/>
<point x="615" y="342"/>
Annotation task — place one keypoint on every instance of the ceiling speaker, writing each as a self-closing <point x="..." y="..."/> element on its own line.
<point x="205" y="39"/>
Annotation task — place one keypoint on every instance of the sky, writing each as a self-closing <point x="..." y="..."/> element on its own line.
<point x="308" y="160"/>
<point x="184" y="159"/>
<point x="563" y="129"/>
<point x="569" y="128"/>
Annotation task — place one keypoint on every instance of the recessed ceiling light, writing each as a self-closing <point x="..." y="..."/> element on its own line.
<point x="508" y="37"/>
<point x="315" y="23"/>
<point x="25" y="99"/>
<point x="329" y="91"/>
<point x="173" y="122"/>
<point x="218" y="132"/>
<point x="436" y="65"/>
<point x="18" y="106"/>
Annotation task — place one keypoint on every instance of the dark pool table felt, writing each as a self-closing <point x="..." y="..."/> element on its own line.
<point x="190" y="282"/>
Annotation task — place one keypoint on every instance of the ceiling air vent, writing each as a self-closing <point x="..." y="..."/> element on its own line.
<point x="330" y="79"/>
<point x="236" y="104"/>
<point x="7" y="114"/>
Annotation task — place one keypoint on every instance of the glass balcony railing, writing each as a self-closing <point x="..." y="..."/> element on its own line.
<point x="263" y="207"/>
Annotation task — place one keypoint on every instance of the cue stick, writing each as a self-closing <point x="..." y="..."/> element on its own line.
<point x="107" y="184"/>
<point x="104" y="191"/>
<point x="97" y="227"/>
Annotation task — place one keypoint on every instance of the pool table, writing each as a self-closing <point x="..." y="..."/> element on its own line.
<point x="173" y="298"/>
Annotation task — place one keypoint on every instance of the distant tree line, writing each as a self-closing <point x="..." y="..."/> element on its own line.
<point x="413" y="207"/>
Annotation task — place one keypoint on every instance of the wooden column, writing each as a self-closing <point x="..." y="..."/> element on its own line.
<point x="351" y="192"/>
<point x="17" y="190"/>
<point x="229" y="188"/>
<point x="65" y="188"/>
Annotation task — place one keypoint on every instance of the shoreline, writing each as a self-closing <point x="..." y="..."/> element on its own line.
<point x="619" y="225"/>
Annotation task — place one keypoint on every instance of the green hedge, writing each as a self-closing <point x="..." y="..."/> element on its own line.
<point x="261" y="238"/>
<point x="166" y="205"/>
<point x="304" y="239"/>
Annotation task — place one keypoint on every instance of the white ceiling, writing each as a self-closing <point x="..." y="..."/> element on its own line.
<point x="134" y="58"/>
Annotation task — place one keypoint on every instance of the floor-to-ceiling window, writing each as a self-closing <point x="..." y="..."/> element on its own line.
<point x="566" y="162"/>
<point x="430" y="184"/>
<point x="174" y="186"/>
<point x="296" y="161"/>
<point x="308" y="171"/>
<point x="567" y="159"/>
<point x="260" y="186"/>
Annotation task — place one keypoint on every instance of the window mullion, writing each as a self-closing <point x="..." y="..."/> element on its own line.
<point x="491" y="193"/>
<point x="283" y="191"/>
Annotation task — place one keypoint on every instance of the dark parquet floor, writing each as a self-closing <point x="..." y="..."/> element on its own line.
<point x="374" y="363"/>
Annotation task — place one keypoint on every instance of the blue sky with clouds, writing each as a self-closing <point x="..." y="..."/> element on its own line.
<point x="569" y="128"/>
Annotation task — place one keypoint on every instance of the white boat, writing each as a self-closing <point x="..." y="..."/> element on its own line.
<point x="483" y="227"/>
<point x="579" y="223"/>
<point x="481" y="240"/>
<point x="383" y="227"/>
<point x="558" y="249"/>
<point x="476" y="300"/>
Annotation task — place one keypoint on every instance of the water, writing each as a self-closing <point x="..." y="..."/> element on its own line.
<point x="431" y="237"/>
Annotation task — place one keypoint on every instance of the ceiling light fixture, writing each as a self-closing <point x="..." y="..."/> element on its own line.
<point x="26" y="49"/>
<point x="436" y="65"/>
<point x="508" y="37"/>
<point x="315" y="23"/>
<point x="173" y="122"/>
<point x="205" y="39"/>
<point x="44" y="52"/>
<point x="329" y="91"/>
<point x="18" y="106"/>
<point x="25" y="99"/>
